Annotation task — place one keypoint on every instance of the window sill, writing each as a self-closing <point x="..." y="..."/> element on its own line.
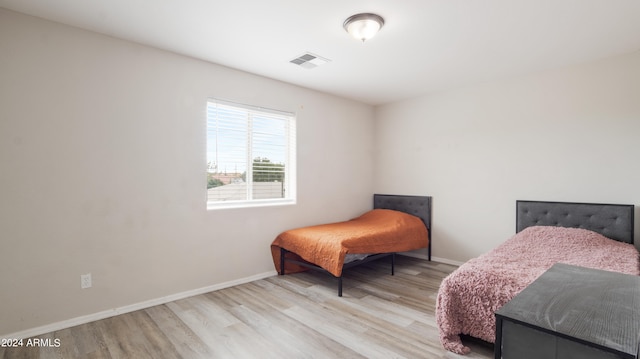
<point x="249" y="204"/>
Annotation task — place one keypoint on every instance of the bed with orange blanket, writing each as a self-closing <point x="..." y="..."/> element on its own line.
<point x="396" y="224"/>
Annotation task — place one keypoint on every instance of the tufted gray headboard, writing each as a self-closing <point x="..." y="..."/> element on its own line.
<point x="614" y="221"/>
<point x="419" y="206"/>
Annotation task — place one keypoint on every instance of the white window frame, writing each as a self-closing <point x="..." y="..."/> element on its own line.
<point x="288" y="152"/>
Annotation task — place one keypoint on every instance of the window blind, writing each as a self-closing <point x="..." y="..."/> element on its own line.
<point x="250" y="155"/>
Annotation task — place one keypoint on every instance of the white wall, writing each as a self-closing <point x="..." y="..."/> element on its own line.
<point x="102" y="165"/>
<point x="102" y="155"/>
<point x="564" y="135"/>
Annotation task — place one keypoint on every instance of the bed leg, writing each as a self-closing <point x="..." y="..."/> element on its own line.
<point x="282" y="254"/>
<point x="340" y="286"/>
<point x="393" y="263"/>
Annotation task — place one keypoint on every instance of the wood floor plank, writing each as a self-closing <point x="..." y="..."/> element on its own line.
<point x="88" y="342"/>
<point x="186" y="342"/>
<point x="342" y="333"/>
<point x="292" y="316"/>
<point x="213" y="336"/>
<point x="287" y="332"/>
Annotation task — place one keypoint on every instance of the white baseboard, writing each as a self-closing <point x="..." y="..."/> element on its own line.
<point x="446" y="261"/>
<point x="434" y="259"/>
<point x="131" y="308"/>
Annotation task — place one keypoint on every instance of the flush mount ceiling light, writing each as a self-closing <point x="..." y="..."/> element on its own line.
<point x="363" y="26"/>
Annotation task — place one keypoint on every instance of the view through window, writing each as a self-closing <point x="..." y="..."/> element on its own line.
<point x="250" y="155"/>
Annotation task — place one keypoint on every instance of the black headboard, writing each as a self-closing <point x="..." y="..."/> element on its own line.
<point x="614" y="221"/>
<point x="419" y="206"/>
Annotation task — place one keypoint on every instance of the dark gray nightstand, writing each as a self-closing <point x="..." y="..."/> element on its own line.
<point x="572" y="312"/>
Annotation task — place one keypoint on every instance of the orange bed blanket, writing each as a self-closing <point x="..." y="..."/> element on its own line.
<point x="376" y="231"/>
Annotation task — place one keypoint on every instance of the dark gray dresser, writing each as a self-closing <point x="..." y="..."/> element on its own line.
<point x="572" y="312"/>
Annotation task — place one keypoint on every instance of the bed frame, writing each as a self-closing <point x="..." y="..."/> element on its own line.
<point x="419" y="206"/>
<point x="613" y="221"/>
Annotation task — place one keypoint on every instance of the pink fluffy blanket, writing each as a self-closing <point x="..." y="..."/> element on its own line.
<point x="469" y="297"/>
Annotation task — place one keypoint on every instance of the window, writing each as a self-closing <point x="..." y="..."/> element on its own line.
<point x="250" y="156"/>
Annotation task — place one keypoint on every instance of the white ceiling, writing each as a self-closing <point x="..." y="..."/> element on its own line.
<point x="425" y="45"/>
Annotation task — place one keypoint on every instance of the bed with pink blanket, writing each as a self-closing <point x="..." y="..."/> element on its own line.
<point x="590" y="235"/>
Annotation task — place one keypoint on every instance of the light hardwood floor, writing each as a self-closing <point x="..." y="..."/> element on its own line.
<point x="292" y="316"/>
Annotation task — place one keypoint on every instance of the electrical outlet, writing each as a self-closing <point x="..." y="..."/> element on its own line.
<point x="85" y="281"/>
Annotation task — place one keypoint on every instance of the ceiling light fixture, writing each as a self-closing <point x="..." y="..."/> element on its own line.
<point x="363" y="26"/>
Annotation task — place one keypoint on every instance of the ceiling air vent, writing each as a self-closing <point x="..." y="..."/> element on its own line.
<point x="309" y="61"/>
